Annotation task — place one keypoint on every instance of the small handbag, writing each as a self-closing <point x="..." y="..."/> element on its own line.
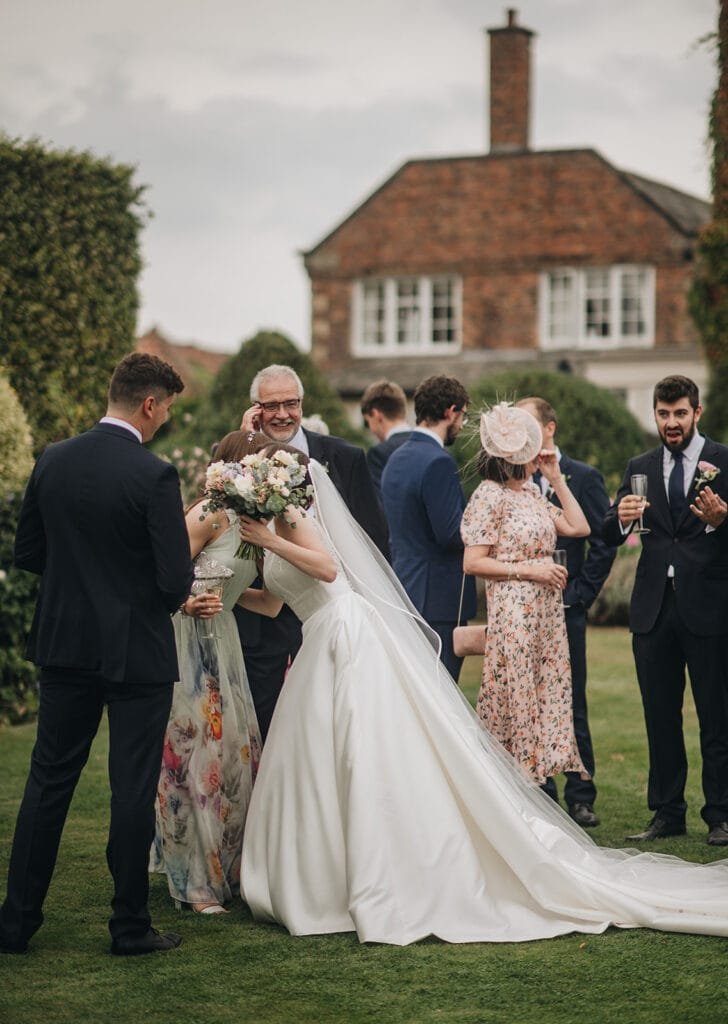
<point x="467" y="639"/>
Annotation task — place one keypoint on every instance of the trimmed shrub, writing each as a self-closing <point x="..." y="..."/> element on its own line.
<point x="16" y="443"/>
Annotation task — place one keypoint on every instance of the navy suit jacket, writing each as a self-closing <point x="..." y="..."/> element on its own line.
<point x="424" y="504"/>
<point x="378" y="455"/>
<point x="700" y="558"/>
<point x="588" y="570"/>
<point x="102" y="524"/>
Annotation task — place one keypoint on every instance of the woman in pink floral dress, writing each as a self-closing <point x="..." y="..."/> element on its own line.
<point x="510" y="531"/>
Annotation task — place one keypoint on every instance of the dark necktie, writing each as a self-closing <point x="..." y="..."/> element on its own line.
<point x="536" y="478"/>
<point x="676" y="489"/>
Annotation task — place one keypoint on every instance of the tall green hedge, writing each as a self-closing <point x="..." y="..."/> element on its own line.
<point x="69" y="261"/>
<point x="17" y="589"/>
<point x="594" y="426"/>
<point x="708" y="298"/>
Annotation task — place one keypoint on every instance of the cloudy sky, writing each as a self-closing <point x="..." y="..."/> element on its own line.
<point x="257" y="126"/>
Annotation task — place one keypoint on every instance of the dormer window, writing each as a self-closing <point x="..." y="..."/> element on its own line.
<point x="395" y="315"/>
<point x="597" y="307"/>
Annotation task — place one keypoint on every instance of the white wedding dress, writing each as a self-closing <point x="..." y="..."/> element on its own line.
<point x="383" y="807"/>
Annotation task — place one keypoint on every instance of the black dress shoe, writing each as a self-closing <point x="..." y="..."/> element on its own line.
<point x="658" y="828"/>
<point x="152" y="942"/>
<point x="583" y="814"/>
<point x="718" y="835"/>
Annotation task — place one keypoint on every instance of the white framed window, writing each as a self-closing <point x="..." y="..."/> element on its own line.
<point x="396" y="315"/>
<point x="598" y="307"/>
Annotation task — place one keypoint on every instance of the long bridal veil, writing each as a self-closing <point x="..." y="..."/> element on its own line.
<point x="541" y="862"/>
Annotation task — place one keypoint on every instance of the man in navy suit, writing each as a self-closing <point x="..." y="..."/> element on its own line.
<point x="679" y="609"/>
<point x="102" y="524"/>
<point x="384" y="409"/>
<point x="424" y="503"/>
<point x="268" y="644"/>
<point x="588" y="570"/>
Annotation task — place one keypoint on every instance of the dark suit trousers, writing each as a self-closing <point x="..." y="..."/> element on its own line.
<point x="266" y="659"/>
<point x="660" y="658"/>
<point x="71" y="705"/>
<point x="447" y="655"/>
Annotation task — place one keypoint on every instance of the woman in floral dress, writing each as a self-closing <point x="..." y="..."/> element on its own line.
<point x="212" y="745"/>
<point x="509" y="531"/>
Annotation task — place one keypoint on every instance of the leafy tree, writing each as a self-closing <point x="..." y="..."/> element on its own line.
<point x="228" y="398"/>
<point x="593" y="425"/>
<point x="708" y="299"/>
<point x="16" y="443"/>
<point x="69" y="261"/>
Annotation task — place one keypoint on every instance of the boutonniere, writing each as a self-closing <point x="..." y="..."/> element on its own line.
<point x="707" y="472"/>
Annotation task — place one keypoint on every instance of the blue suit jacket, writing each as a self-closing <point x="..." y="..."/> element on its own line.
<point x="424" y="503"/>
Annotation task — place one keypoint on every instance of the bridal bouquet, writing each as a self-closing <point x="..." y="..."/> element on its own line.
<point x="260" y="486"/>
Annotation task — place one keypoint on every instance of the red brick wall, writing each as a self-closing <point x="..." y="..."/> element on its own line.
<point x="498" y="222"/>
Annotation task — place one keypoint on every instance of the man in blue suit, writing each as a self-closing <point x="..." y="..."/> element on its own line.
<point x="424" y="503"/>
<point x="384" y="410"/>
<point x="588" y="569"/>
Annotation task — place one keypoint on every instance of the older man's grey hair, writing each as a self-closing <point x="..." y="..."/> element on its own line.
<point x="270" y="373"/>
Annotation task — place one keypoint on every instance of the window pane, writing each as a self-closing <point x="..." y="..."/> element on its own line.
<point x="443" y="311"/>
<point x="633" y="302"/>
<point x="373" y="313"/>
<point x="597" y="312"/>
<point x="561" y="305"/>
<point x="408" y="312"/>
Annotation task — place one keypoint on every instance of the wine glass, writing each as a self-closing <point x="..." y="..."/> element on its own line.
<point x="208" y="585"/>
<point x="638" y="483"/>
<point x="559" y="557"/>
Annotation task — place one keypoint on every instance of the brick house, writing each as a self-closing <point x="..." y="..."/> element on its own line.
<point x="468" y="265"/>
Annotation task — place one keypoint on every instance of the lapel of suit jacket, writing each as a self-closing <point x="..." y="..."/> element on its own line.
<point x="656" y="494"/>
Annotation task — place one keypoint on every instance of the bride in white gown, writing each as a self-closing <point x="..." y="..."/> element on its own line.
<point x="383" y="807"/>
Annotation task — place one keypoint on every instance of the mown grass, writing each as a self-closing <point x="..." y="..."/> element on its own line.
<point x="230" y="969"/>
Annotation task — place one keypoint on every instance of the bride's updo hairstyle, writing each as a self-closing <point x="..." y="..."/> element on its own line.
<point x="237" y="444"/>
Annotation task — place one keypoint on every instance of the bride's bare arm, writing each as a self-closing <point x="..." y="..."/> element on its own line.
<point x="300" y="545"/>
<point x="260" y="601"/>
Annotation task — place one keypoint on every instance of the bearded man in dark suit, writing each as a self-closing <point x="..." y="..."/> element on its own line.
<point x="679" y="607"/>
<point x="102" y="524"/>
<point x="268" y="644"/>
<point x="588" y="561"/>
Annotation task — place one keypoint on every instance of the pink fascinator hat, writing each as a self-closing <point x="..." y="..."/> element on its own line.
<point x="511" y="434"/>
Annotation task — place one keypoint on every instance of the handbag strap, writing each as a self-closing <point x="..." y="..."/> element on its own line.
<point x="462" y="591"/>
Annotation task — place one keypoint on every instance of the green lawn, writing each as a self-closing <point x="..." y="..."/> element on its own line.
<point x="230" y="969"/>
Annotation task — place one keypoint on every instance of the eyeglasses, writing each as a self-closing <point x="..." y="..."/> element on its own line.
<point x="290" y="405"/>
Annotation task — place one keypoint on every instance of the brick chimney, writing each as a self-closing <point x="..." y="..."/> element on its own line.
<point x="510" y="86"/>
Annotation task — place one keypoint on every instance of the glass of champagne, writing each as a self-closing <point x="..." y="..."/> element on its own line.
<point x="638" y="483"/>
<point x="560" y="559"/>
<point x="215" y="587"/>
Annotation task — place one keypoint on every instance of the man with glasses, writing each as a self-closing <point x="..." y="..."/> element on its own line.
<point x="277" y="396"/>
<point x="424" y="503"/>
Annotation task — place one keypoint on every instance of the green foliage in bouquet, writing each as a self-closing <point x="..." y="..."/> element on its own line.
<point x="228" y="398"/>
<point x="594" y="426"/>
<point x="69" y="262"/>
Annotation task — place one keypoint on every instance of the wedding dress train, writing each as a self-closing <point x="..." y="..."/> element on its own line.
<point x="382" y="805"/>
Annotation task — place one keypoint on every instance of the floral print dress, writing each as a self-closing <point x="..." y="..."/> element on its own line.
<point x="525" y="696"/>
<point x="211" y="748"/>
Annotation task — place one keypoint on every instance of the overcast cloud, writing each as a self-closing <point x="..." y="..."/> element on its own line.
<point x="258" y="126"/>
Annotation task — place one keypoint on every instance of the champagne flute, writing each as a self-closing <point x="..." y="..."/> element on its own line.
<point x="209" y="585"/>
<point x="638" y="483"/>
<point x="559" y="557"/>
